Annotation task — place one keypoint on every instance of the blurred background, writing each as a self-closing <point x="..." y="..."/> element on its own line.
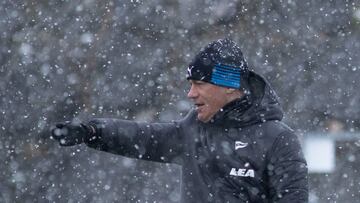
<point x="79" y="59"/>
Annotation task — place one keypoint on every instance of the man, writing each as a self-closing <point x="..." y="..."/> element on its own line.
<point x="232" y="147"/>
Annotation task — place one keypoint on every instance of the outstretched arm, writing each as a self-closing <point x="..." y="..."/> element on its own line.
<point x="159" y="142"/>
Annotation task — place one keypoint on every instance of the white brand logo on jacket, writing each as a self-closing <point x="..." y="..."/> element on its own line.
<point x="239" y="145"/>
<point x="242" y="172"/>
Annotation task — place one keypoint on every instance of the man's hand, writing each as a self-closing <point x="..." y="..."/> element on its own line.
<point x="71" y="133"/>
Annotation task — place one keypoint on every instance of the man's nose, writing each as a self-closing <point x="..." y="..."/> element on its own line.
<point x="192" y="92"/>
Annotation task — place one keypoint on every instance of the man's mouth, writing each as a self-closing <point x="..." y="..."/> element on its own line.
<point x="198" y="105"/>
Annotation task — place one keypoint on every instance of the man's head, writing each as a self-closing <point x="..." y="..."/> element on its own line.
<point x="209" y="98"/>
<point x="218" y="75"/>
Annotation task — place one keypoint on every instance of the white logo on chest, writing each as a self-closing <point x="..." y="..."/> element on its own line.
<point x="239" y="145"/>
<point x="242" y="172"/>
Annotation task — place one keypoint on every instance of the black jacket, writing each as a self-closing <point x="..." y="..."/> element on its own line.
<point x="244" y="154"/>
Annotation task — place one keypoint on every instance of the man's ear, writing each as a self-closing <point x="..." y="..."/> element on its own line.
<point x="229" y="90"/>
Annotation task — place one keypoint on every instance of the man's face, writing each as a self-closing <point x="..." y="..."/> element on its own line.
<point x="208" y="98"/>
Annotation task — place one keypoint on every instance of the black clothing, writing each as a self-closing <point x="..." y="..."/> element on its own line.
<point x="72" y="133"/>
<point x="244" y="154"/>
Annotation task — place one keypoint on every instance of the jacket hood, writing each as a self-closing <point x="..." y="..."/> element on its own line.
<point x="262" y="104"/>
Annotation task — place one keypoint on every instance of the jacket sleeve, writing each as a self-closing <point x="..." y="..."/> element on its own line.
<point x="287" y="170"/>
<point x="159" y="142"/>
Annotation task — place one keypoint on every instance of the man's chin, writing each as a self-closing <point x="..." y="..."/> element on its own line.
<point x="202" y="118"/>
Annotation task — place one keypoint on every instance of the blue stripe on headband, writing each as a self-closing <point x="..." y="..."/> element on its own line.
<point x="226" y="76"/>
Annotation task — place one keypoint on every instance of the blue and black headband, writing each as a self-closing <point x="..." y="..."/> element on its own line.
<point x="218" y="74"/>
